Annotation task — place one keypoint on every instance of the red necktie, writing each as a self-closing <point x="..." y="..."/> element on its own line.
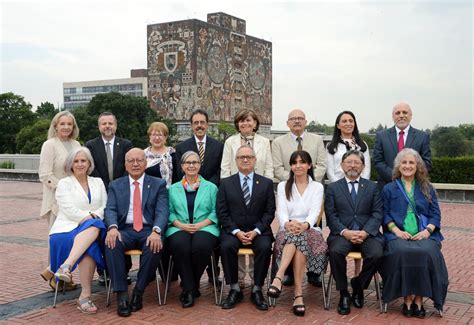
<point x="401" y="143"/>
<point x="137" y="208"/>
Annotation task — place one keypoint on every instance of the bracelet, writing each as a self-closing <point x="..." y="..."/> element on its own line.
<point x="391" y="226"/>
<point x="309" y="226"/>
<point x="429" y="230"/>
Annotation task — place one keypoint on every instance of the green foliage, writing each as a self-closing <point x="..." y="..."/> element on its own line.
<point x="15" y="114"/>
<point x="452" y="141"/>
<point x="30" y="138"/>
<point x="379" y="127"/>
<point x="223" y="131"/>
<point x="369" y="139"/>
<point x="458" y="170"/>
<point x="46" y="111"/>
<point x="319" y="128"/>
<point x="7" y="164"/>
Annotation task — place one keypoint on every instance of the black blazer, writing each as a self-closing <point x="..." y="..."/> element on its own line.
<point x="341" y="212"/>
<point x="234" y="214"/>
<point x="211" y="166"/>
<point x="97" y="149"/>
<point x="386" y="149"/>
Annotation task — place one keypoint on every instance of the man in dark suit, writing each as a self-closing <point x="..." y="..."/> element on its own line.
<point x="136" y="215"/>
<point x="209" y="149"/>
<point x="354" y="213"/>
<point x="402" y="135"/>
<point x="246" y="208"/>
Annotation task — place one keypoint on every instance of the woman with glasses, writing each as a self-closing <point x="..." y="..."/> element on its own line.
<point x="161" y="160"/>
<point x="192" y="230"/>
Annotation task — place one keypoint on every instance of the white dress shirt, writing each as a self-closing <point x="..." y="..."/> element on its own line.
<point x="112" y="142"/>
<point x="130" y="206"/>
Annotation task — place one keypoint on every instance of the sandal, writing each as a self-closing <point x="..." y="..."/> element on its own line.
<point x="273" y="291"/>
<point x="299" y="310"/>
<point x="47" y="274"/>
<point x="86" y="306"/>
<point x="64" y="273"/>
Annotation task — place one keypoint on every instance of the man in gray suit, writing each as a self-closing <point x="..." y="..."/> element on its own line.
<point x="282" y="148"/>
<point x="354" y="212"/>
<point x="402" y="135"/>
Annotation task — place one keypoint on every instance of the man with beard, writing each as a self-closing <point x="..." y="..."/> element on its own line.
<point x="354" y="212"/>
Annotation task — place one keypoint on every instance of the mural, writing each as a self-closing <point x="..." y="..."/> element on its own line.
<point x="213" y="66"/>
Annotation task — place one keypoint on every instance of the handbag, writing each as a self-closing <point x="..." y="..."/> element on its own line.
<point x="422" y="219"/>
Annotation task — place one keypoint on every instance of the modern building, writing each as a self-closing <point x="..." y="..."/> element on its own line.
<point x="80" y="93"/>
<point x="211" y="65"/>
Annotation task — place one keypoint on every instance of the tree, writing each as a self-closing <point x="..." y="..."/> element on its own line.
<point x="223" y="131"/>
<point x="15" y="114"/>
<point x="46" y="110"/>
<point x="379" y="127"/>
<point x="30" y="139"/>
<point x="449" y="142"/>
<point x="319" y="128"/>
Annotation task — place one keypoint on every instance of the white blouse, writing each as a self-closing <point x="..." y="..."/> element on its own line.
<point x="335" y="172"/>
<point x="301" y="207"/>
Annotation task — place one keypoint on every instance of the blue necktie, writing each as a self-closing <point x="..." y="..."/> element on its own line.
<point x="353" y="192"/>
<point x="246" y="191"/>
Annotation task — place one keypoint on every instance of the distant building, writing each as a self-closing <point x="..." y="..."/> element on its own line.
<point x="211" y="65"/>
<point x="80" y="93"/>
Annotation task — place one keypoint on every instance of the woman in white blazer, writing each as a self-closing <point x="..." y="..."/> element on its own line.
<point x="247" y="123"/>
<point x="73" y="237"/>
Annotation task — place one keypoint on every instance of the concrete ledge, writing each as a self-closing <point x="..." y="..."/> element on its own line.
<point x="19" y="175"/>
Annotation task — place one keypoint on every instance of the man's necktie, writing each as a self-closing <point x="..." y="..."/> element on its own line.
<point x="137" y="208"/>
<point x="401" y="142"/>
<point x="201" y="151"/>
<point x="110" y="163"/>
<point x="353" y="192"/>
<point x="300" y="145"/>
<point x="246" y="191"/>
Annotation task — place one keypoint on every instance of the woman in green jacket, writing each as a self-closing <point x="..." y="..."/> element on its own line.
<point x="192" y="231"/>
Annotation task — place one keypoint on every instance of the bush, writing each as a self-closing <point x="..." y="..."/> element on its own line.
<point x="458" y="170"/>
<point x="7" y="164"/>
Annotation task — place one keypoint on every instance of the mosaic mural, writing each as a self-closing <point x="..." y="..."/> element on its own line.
<point x="214" y="66"/>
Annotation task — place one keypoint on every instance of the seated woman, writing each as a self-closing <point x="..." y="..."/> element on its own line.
<point x="413" y="266"/>
<point x="192" y="230"/>
<point x="73" y="238"/>
<point x="299" y="203"/>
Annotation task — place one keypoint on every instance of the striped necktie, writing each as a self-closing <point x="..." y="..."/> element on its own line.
<point x="246" y="191"/>
<point x="201" y="151"/>
<point x="300" y="145"/>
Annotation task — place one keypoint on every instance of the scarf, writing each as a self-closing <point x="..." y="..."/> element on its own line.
<point x="191" y="188"/>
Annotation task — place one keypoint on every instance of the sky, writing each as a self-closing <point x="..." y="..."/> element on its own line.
<point x="328" y="56"/>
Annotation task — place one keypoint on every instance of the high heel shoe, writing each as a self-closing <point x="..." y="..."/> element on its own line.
<point x="299" y="310"/>
<point x="273" y="291"/>
<point x="418" y="312"/>
<point x="64" y="273"/>
<point x="47" y="274"/>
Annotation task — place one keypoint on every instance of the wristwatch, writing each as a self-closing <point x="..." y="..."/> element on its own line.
<point x="429" y="230"/>
<point x="157" y="230"/>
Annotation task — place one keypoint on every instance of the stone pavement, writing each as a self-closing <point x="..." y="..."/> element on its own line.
<point x="26" y="298"/>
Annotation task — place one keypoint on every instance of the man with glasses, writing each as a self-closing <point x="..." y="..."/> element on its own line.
<point x="282" y="148"/>
<point x="136" y="216"/>
<point x="245" y="209"/>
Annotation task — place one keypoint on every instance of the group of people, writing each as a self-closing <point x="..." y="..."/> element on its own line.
<point x="204" y="197"/>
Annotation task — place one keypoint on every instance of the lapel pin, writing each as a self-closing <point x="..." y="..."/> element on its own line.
<point x="148" y="186"/>
<point x="256" y="182"/>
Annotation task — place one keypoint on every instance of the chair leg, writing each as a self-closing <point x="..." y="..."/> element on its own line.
<point x="109" y="289"/>
<point x="377" y="292"/>
<point x="271" y="301"/>
<point x="214" y="277"/>
<point x="55" y="292"/>
<point x="170" y="269"/>
<point x="328" y="300"/>
<point x="222" y="290"/>
<point x="157" y="275"/>
<point x="385" y="307"/>
<point x="106" y="284"/>
<point x="323" y="285"/>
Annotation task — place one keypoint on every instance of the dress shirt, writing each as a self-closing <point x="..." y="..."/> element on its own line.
<point x="356" y="185"/>
<point x="405" y="133"/>
<point x="130" y="206"/>
<point x="197" y="143"/>
<point x="112" y="142"/>
<point x="250" y="185"/>
<point x="294" y="137"/>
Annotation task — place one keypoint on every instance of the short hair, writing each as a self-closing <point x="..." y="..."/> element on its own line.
<point x="243" y="114"/>
<point x="199" y="111"/>
<point x="158" y="126"/>
<point x="358" y="153"/>
<point x="52" y="133"/>
<point x="72" y="155"/>
<point x="188" y="154"/>
<point x="245" y="146"/>
<point x="106" y="114"/>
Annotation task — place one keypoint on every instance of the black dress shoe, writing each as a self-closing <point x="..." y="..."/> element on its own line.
<point x="258" y="300"/>
<point x="344" y="307"/>
<point x="357" y="294"/>
<point x="123" y="308"/>
<point x="188" y="299"/>
<point x="232" y="299"/>
<point x="407" y="312"/>
<point x="418" y="312"/>
<point x="288" y="280"/>
<point x="137" y="300"/>
<point x="314" y="279"/>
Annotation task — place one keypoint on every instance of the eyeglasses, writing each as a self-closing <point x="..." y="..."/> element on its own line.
<point x="199" y="123"/>
<point x="353" y="162"/>
<point x="296" y="119"/>
<point x="244" y="157"/>
<point x="154" y="135"/>
<point x="135" y="161"/>
<point x="189" y="163"/>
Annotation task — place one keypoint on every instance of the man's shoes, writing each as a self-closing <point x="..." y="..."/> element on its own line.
<point x="137" y="300"/>
<point x="314" y="279"/>
<point x="357" y="293"/>
<point x="123" y="307"/>
<point x="232" y="299"/>
<point x="288" y="280"/>
<point x="258" y="300"/>
<point x="187" y="299"/>
<point x="344" y="307"/>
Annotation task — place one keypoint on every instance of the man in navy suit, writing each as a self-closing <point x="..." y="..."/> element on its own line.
<point x="136" y="216"/>
<point x="354" y="214"/>
<point x="402" y="135"/>
<point x="246" y="208"/>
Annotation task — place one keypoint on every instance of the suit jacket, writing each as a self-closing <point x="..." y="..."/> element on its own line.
<point x="284" y="146"/>
<point x="261" y="146"/>
<point x="234" y="214"/>
<point x="386" y="149"/>
<point x="395" y="209"/>
<point x="341" y="212"/>
<point x="74" y="205"/>
<point x="97" y="148"/>
<point x="211" y="166"/>
<point x="154" y="202"/>
<point x="204" y="207"/>
<point x="51" y="170"/>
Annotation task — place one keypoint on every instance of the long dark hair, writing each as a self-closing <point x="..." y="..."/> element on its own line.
<point x="336" y="137"/>
<point x="306" y="158"/>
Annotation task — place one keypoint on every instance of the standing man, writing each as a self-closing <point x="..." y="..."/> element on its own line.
<point x="282" y="148"/>
<point x="209" y="149"/>
<point x="354" y="214"/>
<point x="136" y="216"/>
<point x="402" y="135"/>
<point x="246" y="208"/>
